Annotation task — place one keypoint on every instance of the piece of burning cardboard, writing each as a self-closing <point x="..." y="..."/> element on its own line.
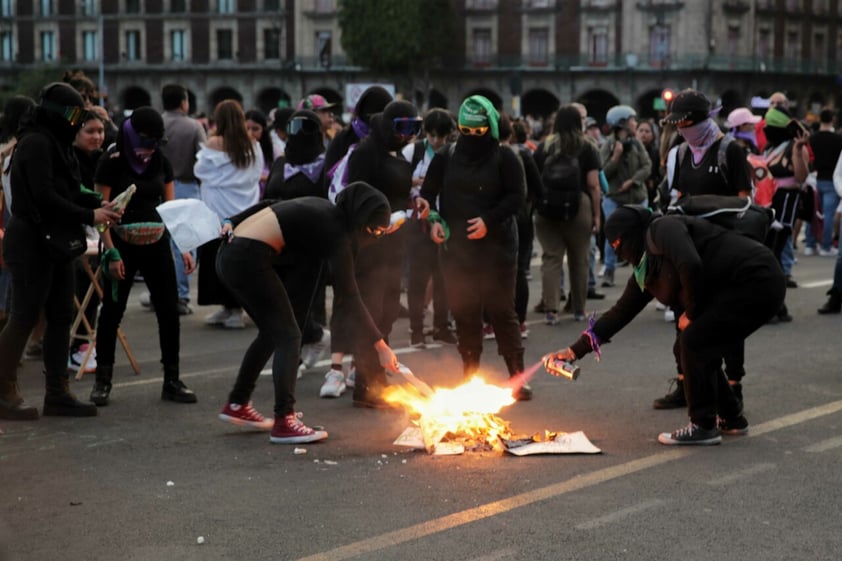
<point x="561" y="443"/>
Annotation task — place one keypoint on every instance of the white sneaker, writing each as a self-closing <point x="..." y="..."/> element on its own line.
<point x="660" y="307"/>
<point x="669" y="315"/>
<point x="334" y="385"/>
<point x="809" y="251"/>
<point x="601" y="272"/>
<point x="351" y="378"/>
<point x="75" y="360"/>
<point x="832" y="252"/>
<point x="235" y="320"/>
<point x="218" y="317"/>
<point x="146" y="300"/>
<point x="313" y="352"/>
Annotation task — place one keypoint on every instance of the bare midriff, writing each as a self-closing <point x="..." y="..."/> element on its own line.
<point x="262" y="226"/>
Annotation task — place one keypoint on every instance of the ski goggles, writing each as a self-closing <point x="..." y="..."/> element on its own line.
<point x="473" y="131"/>
<point x="407" y="126"/>
<point x="72" y="114"/>
<point x="376" y="231"/>
<point x="302" y="125"/>
<point x="150" y="143"/>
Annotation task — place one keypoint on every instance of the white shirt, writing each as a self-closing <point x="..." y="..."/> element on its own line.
<point x="226" y="189"/>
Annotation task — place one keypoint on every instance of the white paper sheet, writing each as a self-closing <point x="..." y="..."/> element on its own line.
<point x="190" y="222"/>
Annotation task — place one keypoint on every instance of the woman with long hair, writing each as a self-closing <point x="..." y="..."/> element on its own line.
<point x="229" y="167"/>
<point x="258" y="128"/>
<point x="572" y="236"/>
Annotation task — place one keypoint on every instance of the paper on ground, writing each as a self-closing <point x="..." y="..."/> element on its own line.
<point x="567" y="443"/>
<point x="190" y="222"/>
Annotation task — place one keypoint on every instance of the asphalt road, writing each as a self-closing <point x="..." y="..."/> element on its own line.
<point x="148" y="480"/>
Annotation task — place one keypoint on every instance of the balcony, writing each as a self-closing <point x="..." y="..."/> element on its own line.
<point x="598" y="6"/>
<point x="736" y="7"/>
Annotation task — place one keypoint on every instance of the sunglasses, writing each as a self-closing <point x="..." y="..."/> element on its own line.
<point x="72" y="114"/>
<point x="376" y="231"/>
<point x="473" y="131"/>
<point x="151" y="143"/>
<point x="302" y="125"/>
<point x="407" y="126"/>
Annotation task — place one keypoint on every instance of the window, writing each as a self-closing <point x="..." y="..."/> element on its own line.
<point x="272" y="43"/>
<point x="48" y="46"/>
<point x="659" y="45"/>
<point x="7" y="8"/>
<point x="225" y="6"/>
<point x="482" y="46"/>
<point x="324" y="6"/>
<point x="820" y="6"/>
<point x="819" y="50"/>
<point x="178" y="6"/>
<point x="132" y="52"/>
<point x="7" y="46"/>
<point x="90" y="45"/>
<point x="132" y="6"/>
<point x="178" y="45"/>
<point x="271" y="5"/>
<point x="793" y="5"/>
<point x="733" y="45"/>
<point x="324" y="48"/>
<point x="46" y="7"/>
<point x="224" y="44"/>
<point x="88" y="7"/>
<point x="764" y="43"/>
<point x="598" y="45"/>
<point x="793" y="51"/>
<point x="764" y="4"/>
<point x="539" y="46"/>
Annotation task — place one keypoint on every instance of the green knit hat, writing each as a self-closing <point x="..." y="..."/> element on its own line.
<point x="477" y="111"/>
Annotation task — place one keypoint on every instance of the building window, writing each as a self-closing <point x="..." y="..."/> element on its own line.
<point x="324" y="48"/>
<point x="271" y="5"/>
<point x="7" y="8"/>
<point x="539" y="46"/>
<point x="225" y="6"/>
<point x="324" y="6"/>
<point x="132" y="45"/>
<point x="178" y="45"/>
<point x="46" y="8"/>
<point x="820" y="6"/>
<point x="793" y="5"/>
<point x="598" y="45"/>
<point x="90" y="45"/>
<point x="819" y="50"/>
<point x="48" y="46"/>
<point x="482" y="46"/>
<point x="733" y="41"/>
<point x="224" y="44"/>
<point x="132" y="6"/>
<point x="272" y="43"/>
<point x="178" y="6"/>
<point x="482" y="4"/>
<point x="764" y="43"/>
<point x="659" y="45"/>
<point x="88" y="8"/>
<point x="791" y="47"/>
<point x="7" y="46"/>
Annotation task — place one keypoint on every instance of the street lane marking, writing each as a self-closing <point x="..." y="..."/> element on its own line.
<point x="742" y="474"/>
<point x="367" y="546"/>
<point x="816" y="284"/>
<point x="619" y="515"/>
<point x="825" y="445"/>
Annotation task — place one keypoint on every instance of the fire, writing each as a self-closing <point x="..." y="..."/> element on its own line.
<point x="465" y="414"/>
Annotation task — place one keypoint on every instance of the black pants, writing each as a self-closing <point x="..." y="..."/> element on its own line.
<point x="37" y="284"/>
<point x="730" y="315"/>
<point x="155" y="263"/>
<point x="732" y="355"/>
<point x="423" y="257"/>
<point x="378" y="271"/>
<point x="299" y="277"/>
<point x="245" y="267"/>
<point x="211" y="289"/>
<point x="481" y="277"/>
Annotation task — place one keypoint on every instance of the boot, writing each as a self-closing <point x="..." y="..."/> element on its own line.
<point x="470" y="363"/>
<point x="173" y="388"/>
<point x="59" y="401"/>
<point x="833" y="304"/>
<point x="12" y="405"/>
<point x="514" y="364"/>
<point x="674" y="399"/>
<point x="102" y="384"/>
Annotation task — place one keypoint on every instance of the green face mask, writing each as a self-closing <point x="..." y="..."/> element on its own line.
<point x="640" y="272"/>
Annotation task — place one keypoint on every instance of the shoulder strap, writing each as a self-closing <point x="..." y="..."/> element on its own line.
<point x="418" y="151"/>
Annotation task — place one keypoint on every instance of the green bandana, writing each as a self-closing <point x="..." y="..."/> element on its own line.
<point x="776" y="118"/>
<point x="477" y="111"/>
<point x="640" y="272"/>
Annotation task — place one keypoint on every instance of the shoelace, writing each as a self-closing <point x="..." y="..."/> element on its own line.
<point x="296" y="425"/>
<point x="251" y="413"/>
<point x="686" y="431"/>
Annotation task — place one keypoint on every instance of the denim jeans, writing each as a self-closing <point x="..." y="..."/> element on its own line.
<point x="183" y="190"/>
<point x="829" y="201"/>
<point x="608" y="207"/>
<point x="788" y="256"/>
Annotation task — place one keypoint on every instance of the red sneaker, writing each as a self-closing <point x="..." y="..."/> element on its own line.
<point x="244" y="415"/>
<point x="290" y="430"/>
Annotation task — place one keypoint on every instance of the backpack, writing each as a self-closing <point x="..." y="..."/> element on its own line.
<point x="765" y="183"/>
<point x="721" y="159"/>
<point x="732" y="213"/>
<point x="338" y="175"/>
<point x="561" y="186"/>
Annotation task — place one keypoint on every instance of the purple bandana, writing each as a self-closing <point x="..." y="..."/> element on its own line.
<point x="700" y="137"/>
<point x="360" y="128"/>
<point x="311" y="170"/>
<point x="137" y="156"/>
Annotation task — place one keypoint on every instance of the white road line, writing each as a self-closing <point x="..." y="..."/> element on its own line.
<point x="742" y="474"/>
<point x="619" y="515"/>
<point x="825" y="445"/>
<point x="816" y="284"/>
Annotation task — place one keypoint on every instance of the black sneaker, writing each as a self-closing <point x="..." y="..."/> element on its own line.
<point x="594" y="295"/>
<point x="184" y="308"/>
<point x="738" y="426"/>
<point x="444" y="336"/>
<point x="691" y="435"/>
<point x="417" y="340"/>
<point x="674" y="399"/>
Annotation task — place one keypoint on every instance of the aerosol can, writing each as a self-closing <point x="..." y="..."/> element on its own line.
<point x="561" y="367"/>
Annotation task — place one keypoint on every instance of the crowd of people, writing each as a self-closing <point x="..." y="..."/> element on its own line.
<point x="445" y="206"/>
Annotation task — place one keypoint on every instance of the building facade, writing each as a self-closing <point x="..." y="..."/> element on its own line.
<point x="527" y="56"/>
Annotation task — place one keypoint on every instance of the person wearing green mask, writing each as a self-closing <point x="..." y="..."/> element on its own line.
<point x="728" y="286"/>
<point x="477" y="186"/>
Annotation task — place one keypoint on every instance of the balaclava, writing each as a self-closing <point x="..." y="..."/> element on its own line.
<point x="777" y="119"/>
<point x="628" y="224"/>
<point x="361" y="206"/>
<point x="58" y="100"/>
<point x="478" y="111"/>
<point x="373" y="100"/>
<point x="394" y="110"/>
<point x="139" y="138"/>
<point x="305" y="147"/>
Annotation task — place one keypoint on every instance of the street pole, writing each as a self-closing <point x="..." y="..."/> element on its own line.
<point x="102" y="89"/>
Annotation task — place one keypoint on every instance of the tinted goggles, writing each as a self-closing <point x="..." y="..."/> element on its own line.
<point x="473" y="131"/>
<point x="302" y="125"/>
<point x="151" y="143"/>
<point x="72" y="114"/>
<point x="407" y="126"/>
<point x="376" y="231"/>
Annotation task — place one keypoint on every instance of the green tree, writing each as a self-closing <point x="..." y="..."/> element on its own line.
<point x="398" y="37"/>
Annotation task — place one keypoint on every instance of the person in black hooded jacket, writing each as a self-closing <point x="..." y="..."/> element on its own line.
<point x="728" y="286"/>
<point x="372" y="101"/>
<point x="247" y="265"/>
<point x="46" y="191"/>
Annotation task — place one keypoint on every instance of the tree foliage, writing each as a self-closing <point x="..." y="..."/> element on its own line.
<point x="396" y="36"/>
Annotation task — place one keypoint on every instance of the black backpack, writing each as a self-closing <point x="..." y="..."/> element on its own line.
<point x="561" y="187"/>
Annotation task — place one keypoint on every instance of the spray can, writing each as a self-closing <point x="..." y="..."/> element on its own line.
<point x="561" y="368"/>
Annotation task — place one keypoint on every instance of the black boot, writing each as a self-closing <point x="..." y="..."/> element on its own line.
<point x="514" y="364"/>
<point x="173" y="388"/>
<point x="674" y="399"/>
<point x="833" y="304"/>
<point x="470" y="363"/>
<point x="12" y="405"/>
<point x="102" y="384"/>
<point x="59" y="401"/>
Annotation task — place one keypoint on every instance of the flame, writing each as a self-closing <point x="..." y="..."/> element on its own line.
<point x="466" y="413"/>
